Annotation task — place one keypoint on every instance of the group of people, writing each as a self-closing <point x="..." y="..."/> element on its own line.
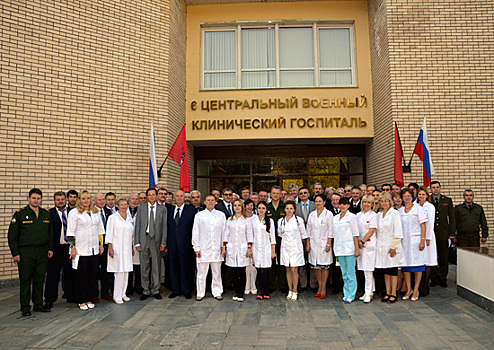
<point x="390" y="239"/>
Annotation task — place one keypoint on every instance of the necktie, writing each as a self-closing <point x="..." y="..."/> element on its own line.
<point x="177" y="216"/>
<point x="229" y="209"/>
<point x="305" y="210"/>
<point x="64" y="223"/>
<point x="103" y="218"/>
<point x="151" y="222"/>
<point x="436" y="200"/>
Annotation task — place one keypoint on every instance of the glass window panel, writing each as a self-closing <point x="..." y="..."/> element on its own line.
<point x="258" y="79"/>
<point x="324" y="165"/>
<point x="331" y="78"/>
<point x="296" y="78"/>
<point x="219" y="50"/>
<point x="325" y="180"/>
<point x="279" y="165"/>
<point x="355" y="165"/>
<point x="258" y="48"/>
<point x="264" y="183"/>
<point x="221" y="167"/>
<point x="203" y="187"/>
<point x="220" y="80"/>
<point x="296" y="48"/>
<point x="203" y="167"/>
<point x="235" y="183"/>
<point x="356" y="180"/>
<point x="334" y="48"/>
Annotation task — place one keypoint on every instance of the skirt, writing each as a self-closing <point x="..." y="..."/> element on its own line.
<point x="413" y="268"/>
<point x="319" y="267"/>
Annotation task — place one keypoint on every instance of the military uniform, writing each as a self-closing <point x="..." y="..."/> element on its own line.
<point x="276" y="272"/>
<point x="469" y="220"/>
<point x="31" y="237"/>
<point x="444" y="227"/>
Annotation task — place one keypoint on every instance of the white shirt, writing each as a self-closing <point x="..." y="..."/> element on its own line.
<point x="292" y="233"/>
<point x="62" y="231"/>
<point x="86" y="229"/>
<point x="207" y="235"/>
<point x="181" y="211"/>
<point x="344" y="229"/>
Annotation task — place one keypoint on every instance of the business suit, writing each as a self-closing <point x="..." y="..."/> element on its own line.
<point x="60" y="261"/>
<point x="221" y="206"/>
<point x="105" y="277"/>
<point x="149" y="239"/>
<point x="444" y="227"/>
<point x="355" y="206"/>
<point x="180" y="251"/>
<point x="305" y="270"/>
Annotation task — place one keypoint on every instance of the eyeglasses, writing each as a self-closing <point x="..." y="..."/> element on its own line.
<point x="227" y="194"/>
<point x="348" y="190"/>
<point x="305" y="192"/>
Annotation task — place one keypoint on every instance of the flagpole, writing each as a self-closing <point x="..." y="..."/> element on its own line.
<point x="161" y="167"/>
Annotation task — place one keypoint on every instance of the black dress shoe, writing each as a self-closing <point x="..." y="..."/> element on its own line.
<point x="43" y="309"/>
<point x="443" y="284"/>
<point x="48" y="304"/>
<point x="173" y="295"/>
<point x="284" y="290"/>
<point x="26" y="313"/>
<point x="144" y="296"/>
<point x="158" y="296"/>
<point x="433" y="283"/>
<point x="188" y="296"/>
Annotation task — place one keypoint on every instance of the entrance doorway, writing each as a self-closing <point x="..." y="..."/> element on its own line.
<point x="260" y="168"/>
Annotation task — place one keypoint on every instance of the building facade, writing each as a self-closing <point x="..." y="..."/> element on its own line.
<point x="273" y="92"/>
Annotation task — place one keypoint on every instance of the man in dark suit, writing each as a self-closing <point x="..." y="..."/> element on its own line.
<point x="195" y="202"/>
<point x="303" y="209"/>
<point x="225" y="205"/>
<point x="444" y="228"/>
<point x="61" y="254"/>
<point x="150" y="239"/>
<point x="100" y="202"/>
<point x="179" y="246"/>
<point x="355" y="200"/>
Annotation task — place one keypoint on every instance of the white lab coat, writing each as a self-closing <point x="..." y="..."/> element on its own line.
<point x="261" y="249"/>
<point x="412" y="235"/>
<point x="207" y="235"/>
<point x="292" y="232"/>
<point x="238" y="233"/>
<point x="367" y="259"/>
<point x="344" y="229"/>
<point x="388" y="228"/>
<point x="431" y="249"/>
<point x="120" y="233"/>
<point x="86" y="229"/>
<point x="318" y="230"/>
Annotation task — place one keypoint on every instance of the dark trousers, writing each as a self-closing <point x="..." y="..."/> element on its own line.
<point x="60" y="261"/>
<point x="239" y="279"/>
<point x="277" y="273"/>
<point x="134" y="283"/>
<point x="468" y="240"/>
<point x="32" y="268"/>
<point x="262" y="281"/>
<point x="105" y="276"/>
<point x="439" y="273"/>
<point x="86" y="278"/>
<point x="180" y="272"/>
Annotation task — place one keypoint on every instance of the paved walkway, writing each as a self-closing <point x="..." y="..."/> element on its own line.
<point x="441" y="320"/>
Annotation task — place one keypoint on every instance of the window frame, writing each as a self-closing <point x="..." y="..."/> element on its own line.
<point x="316" y="68"/>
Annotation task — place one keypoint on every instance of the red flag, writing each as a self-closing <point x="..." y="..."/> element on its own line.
<point x="178" y="153"/>
<point x="398" y="159"/>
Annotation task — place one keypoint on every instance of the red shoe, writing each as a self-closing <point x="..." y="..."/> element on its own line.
<point x="317" y="295"/>
<point x="107" y="297"/>
<point x="266" y="297"/>
<point x="322" y="296"/>
<point x="95" y="300"/>
<point x="259" y="297"/>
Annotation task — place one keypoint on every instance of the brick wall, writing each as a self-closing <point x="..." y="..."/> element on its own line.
<point x="440" y="66"/>
<point x="80" y="83"/>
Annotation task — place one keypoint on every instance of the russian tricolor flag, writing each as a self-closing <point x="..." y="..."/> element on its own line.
<point x="423" y="151"/>
<point x="153" y="170"/>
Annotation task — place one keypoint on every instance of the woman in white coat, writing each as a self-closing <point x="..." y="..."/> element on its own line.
<point x="250" y="270"/>
<point x="430" y="238"/>
<point x="238" y="240"/>
<point x="345" y="234"/>
<point x="367" y="225"/>
<point x="119" y="237"/>
<point x="85" y="231"/>
<point x="263" y="249"/>
<point x="413" y="221"/>
<point x="319" y="228"/>
<point x="291" y="229"/>
<point x="389" y="252"/>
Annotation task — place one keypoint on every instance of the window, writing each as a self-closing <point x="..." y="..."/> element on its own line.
<point x="278" y="56"/>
